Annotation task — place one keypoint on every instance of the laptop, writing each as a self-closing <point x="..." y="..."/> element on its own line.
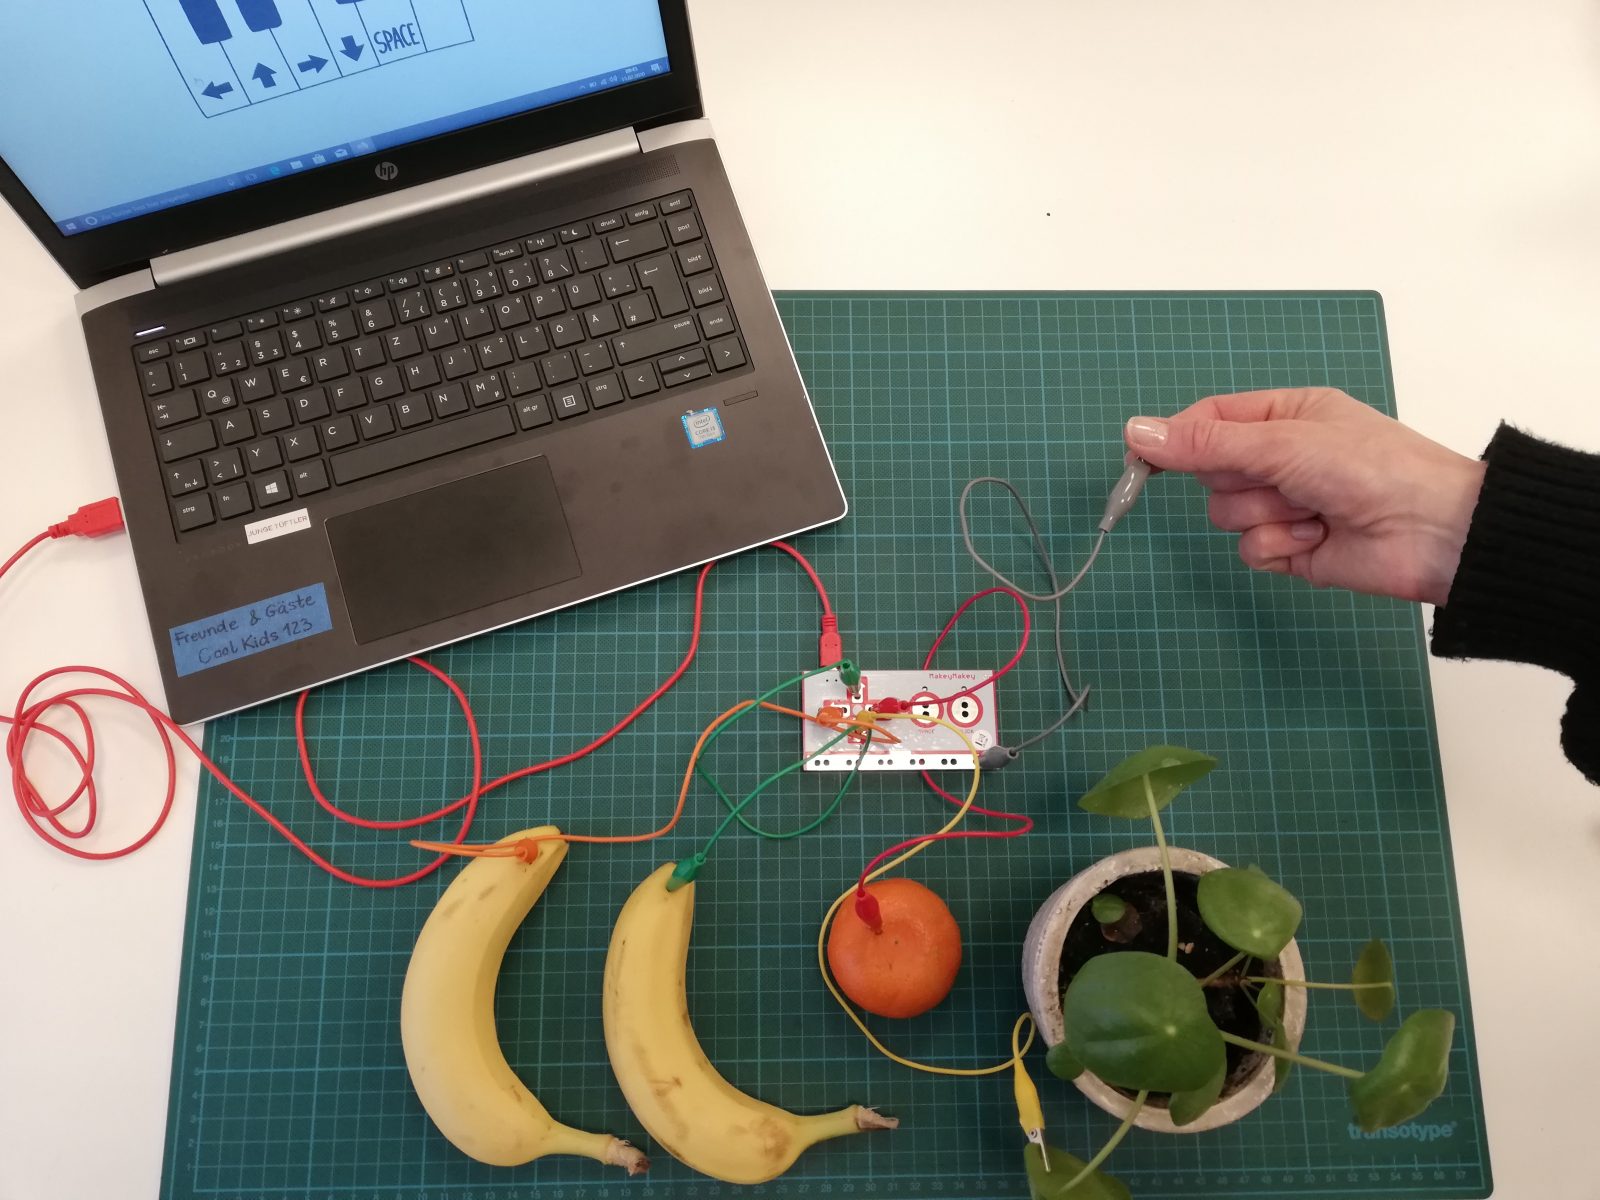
<point x="409" y="319"/>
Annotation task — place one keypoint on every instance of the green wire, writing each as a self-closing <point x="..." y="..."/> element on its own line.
<point x="687" y="869"/>
<point x="699" y="767"/>
<point x="736" y="809"/>
<point x="756" y="704"/>
<point x="777" y="775"/>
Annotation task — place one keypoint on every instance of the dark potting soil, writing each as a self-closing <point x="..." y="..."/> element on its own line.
<point x="1199" y="950"/>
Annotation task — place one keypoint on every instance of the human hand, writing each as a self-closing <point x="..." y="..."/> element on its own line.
<point x="1323" y="487"/>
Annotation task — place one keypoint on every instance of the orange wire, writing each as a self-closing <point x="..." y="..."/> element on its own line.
<point x="866" y="721"/>
<point x="527" y="849"/>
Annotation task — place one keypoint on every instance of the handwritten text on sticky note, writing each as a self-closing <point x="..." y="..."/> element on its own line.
<point x="250" y="629"/>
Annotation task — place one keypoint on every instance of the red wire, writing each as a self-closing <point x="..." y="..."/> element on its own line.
<point x="1024" y="827"/>
<point x="29" y="719"/>
<point x="46" y="820"/>
<point x="1027" y="627"/>
<point x="982" y="812"/>
<point x="811" y="572"/>
<point x="26" y="546"/>
<point x="861" y="883"/>
<point x="1024" y="822"/>
<point x="536" y="768"/>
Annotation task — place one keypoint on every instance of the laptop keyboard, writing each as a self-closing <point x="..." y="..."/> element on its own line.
<point x="507" y="341"/>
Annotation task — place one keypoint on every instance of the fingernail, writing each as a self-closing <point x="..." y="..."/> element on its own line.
<point x="1147" y="433"/>
<point x="1307" y="531"/>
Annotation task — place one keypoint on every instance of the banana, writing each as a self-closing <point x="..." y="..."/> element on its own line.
<point x="678" y="1096"/>
<point x="447" y="1019"/>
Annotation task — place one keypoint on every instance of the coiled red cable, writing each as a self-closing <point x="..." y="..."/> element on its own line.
<point x="50" y="821"/>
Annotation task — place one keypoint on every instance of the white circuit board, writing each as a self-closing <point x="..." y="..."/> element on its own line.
<point x="923" y="745"/>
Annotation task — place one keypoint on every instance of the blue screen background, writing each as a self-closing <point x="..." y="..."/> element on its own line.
<point x="105" y="112"/>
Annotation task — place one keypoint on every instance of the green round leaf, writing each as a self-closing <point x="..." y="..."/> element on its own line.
<point x="1140" y="1022"/>
<point x="1061" y="1063"/>
<point x="1121" y="792"/>
<point x="1409" y="1076"/>
<point x="1052" y="1184"/>
<point x="1108" y="909"/>
<point x="1269" y="1005"/>
<point x="1248" y="910"/>
<point x="1374" y="967"/>
<point x="1187" y="1107"/>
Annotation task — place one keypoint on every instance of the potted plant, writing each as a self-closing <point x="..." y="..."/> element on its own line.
<point x="1169" y="987"/>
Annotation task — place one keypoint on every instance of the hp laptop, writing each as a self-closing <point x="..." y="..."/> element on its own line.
<point x="409" y="318"/>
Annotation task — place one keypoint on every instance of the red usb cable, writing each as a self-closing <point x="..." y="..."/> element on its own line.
<point x="48" y="821"/>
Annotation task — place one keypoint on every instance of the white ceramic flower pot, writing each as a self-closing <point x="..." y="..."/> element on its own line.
<point x="1041" y="976"/>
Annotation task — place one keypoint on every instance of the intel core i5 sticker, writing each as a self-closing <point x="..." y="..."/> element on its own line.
<point x="704" y="428"/>
<point x="250" y="629"/>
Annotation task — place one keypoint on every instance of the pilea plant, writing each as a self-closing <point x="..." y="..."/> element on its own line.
<point x="1140" y="1020"/>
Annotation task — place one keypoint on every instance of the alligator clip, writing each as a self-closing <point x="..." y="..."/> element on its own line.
<point x="831" y="716"/>
<point x="1030" y="1113"/>
<point x="866" y="722"/>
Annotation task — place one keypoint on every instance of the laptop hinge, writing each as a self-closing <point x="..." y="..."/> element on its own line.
<point x="380" y="210"/>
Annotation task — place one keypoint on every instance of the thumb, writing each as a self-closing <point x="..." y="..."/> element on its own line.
<point x="1202" y="444"/>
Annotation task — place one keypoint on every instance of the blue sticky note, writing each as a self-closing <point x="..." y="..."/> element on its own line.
<point x="249" y="629"/>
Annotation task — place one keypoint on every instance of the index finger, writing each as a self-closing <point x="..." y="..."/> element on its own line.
<point x="1212" y="481"/>
<point x="1276" y="404"/>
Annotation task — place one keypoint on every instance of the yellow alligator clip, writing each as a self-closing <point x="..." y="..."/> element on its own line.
<point x="1030" y="1113"/>
<point x="865" y="722"/>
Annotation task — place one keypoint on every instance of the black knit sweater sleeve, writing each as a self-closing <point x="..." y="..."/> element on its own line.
<point x="1528" y="587"/>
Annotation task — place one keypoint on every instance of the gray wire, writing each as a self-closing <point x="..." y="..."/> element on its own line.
<point x="1054" y="598"/>
<point x="1079" y="699"/>
<point x="966" y="537"/>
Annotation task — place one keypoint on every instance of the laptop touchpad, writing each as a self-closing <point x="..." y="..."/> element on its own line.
<point x="453" y="548"/>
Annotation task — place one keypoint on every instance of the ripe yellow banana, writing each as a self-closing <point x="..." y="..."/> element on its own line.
<point x="678" y="1096"/>
<point x="447" y="1019"/>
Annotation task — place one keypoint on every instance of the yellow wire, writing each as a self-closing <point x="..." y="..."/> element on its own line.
<point x="1030" y="1114"/>
<point x="827" y="922"/>
<point x="1016" y="1030"/>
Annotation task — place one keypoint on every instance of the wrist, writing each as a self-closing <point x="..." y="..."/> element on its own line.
<point x="1448" y="523"/>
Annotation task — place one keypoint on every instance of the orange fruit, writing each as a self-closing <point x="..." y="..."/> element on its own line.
<point x="907" y="968"/>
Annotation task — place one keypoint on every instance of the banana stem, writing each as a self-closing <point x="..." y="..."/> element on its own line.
<point x="620" y="1154"/>
<point x="846" y="1121"/>
<point x="602" y="1147"/>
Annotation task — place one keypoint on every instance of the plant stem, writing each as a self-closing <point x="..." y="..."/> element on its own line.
<point x="1225" y="968"/>
<point x="1166" y="871"/>
<point x="1306" y="983"/>
<point x="1093" y="1164"/>
<point x="1315" y="1064"/>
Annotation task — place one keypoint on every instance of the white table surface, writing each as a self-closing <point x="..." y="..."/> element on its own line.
<point x="1445" y="153"/>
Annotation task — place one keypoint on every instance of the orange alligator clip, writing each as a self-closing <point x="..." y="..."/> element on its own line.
<point x="858" y="727"/>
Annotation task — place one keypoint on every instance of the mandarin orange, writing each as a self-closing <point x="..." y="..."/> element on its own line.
<point x="910" y="965"/>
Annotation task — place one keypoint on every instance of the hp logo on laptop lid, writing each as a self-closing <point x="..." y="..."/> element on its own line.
<point x="386" y="171"/>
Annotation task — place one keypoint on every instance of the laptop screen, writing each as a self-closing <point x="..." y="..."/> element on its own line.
<point x="111" y="111"/>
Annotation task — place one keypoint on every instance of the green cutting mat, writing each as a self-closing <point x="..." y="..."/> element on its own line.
<point x="287" y="1075"/>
